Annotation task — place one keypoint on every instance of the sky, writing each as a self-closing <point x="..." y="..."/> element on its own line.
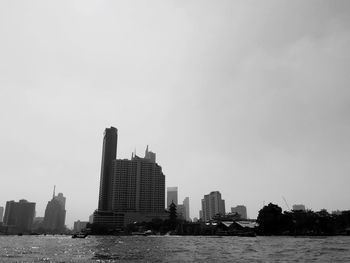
<point x="249" y="98"/>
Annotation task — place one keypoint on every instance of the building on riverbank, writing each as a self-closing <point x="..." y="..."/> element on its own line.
<point x="55" y="214"/>
<point x="130" y="190"/>
<point x="212" y="204"/>
<point x="19" y="216"/>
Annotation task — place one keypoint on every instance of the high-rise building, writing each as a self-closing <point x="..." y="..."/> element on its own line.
<point x="171" y="196"/>
<point x="212" y="205"/>
<point x="55" y="214"/>
<point x="19" y="216"/>
<point x="186" y="205"/>
<point x="1" y="213"/>
<point x="109" y="154"/>
<point x="241" y="210"/>
<point x="136" y="190"/>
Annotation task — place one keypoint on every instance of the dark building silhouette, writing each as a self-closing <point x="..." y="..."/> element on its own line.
<point x="55" y="214"/>
<point x="1" y="213"/>
<point x="135" y="188"/>
<point x="109" y="153"/>
<point x="19" y="216"/>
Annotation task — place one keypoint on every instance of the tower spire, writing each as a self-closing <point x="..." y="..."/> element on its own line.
<point x="146" y="152"/>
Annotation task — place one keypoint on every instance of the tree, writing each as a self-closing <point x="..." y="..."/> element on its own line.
<point x="172" y="212"/>
<point x="271" y="220"/>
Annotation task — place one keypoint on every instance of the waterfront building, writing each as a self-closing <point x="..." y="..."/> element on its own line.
<point x="212" y="204"/>
<point x="186" y="205"/>
<point x="19" y="216"/>
<point x="171" y="196"/>
<point x="109" y="154"/>
<point x="241" y="210"/>
<point x="1" y="213"/>
<point x="298" y="207"/>
<point x="55" y="214"/>
<point x="79" y="225"/>
<point x="136" y="189"/>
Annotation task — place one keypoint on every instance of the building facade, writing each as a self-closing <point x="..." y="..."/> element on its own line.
<point x="109" y="154"/>
<point x="136" y="190"/>
<point x="55" y="214"/>
<point x="19" y="216"/>
<point x="212" y="204"/>
<point x="1" y="213"/>
<point x="171" y="193"/>
<point x="186" y="205"/>
<point x="241" y="210"/>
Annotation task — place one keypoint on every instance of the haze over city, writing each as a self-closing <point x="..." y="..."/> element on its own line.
<point x="249" y="98"/>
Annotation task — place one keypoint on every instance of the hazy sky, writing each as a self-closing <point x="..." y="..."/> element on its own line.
<point x="250" y="98"/>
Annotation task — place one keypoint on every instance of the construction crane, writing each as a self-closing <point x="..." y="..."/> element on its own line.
<point x="285" y="201"/>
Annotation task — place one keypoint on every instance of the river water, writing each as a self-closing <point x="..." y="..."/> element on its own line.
<point x="173" y="249"/>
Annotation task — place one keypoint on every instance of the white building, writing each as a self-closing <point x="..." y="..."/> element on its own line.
<point x="212" y="204"/>
<point x="299" y="207"/>
<point x="241" y="210"/>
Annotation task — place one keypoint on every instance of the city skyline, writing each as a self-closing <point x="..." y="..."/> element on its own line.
<point x="247" y="98"/>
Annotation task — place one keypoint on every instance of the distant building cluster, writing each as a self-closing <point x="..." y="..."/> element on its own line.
<point x="20" y="217"/>
<point x="183" y="210"/>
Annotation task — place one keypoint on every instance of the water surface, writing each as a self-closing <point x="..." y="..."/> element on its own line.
<point x="173" y="249"/>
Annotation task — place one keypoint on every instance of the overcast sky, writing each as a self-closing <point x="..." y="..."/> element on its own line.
<point x="249" y="98"/>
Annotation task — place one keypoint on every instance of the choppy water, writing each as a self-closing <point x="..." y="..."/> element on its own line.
<point x="173" y="249"/>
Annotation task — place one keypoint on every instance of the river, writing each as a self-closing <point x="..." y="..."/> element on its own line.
<point x="174" y="249"/>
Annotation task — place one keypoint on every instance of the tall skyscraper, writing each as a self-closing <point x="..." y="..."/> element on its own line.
<point x="55" y="214"/>
<point x="109" y="153"/>
<point x="19" y="216"/>
<point x="1" y="213"/>
<point x="136" y="190"/>
<point x="171" y="196"/>
<point x="241" y="210"/>
<point x="212" y="204"/>
<point x="186" y="205"/>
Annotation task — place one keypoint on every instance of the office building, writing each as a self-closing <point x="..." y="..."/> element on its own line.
<point x="241" y="210"/>
<point x="212" y="205"/>
<point x="136" y="189"/>
<point x="1" y="213"/>
<point x="171" y="196"/>
<point x="109" y="154"/>
<point x="55" y="214"/>
<point x="186" y="205"/>
<point x="19" y="216"/>
<point x="79" y="226"/>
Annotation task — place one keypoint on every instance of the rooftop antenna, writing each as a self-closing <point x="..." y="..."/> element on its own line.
<point x="54" y="188"/>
